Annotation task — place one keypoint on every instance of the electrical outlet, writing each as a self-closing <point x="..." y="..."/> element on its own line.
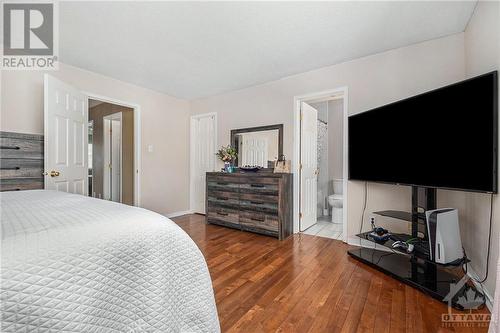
<point x="373" y="220"/>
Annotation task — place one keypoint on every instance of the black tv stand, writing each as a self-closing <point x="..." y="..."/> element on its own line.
<point x="415" y="269"/>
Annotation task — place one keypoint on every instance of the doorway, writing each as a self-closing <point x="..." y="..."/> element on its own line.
<point x="69" y="137"/>
<point x="321" y="168"/>
<point x="111" y="150"/>
<point x="203" y="143"/>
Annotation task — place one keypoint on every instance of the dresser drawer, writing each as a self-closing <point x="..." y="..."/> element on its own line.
<point x="223" y="178"/>
<point x="19" y="184"/>
<point x="259" y="188"/>
<point x="223" y="216"/>
<point x="262" y="180"/>
<point x="17" y="167"/>
<point x="220" y="183"/>
<point x="21" y="148"/>
<point x="259" y="222"/>
<point x="259" y="202"/>
<point x="222" y="198"/>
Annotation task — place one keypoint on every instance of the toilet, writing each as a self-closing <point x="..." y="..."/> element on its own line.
<point x="336" y="201"/>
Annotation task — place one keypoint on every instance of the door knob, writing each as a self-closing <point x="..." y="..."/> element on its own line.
<point x="54" y="173"/>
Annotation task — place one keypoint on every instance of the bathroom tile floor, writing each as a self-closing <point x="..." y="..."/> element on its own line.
<point x="325" y="228"/>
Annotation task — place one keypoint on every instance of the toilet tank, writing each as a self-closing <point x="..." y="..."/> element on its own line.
<point x="338" y="186"/>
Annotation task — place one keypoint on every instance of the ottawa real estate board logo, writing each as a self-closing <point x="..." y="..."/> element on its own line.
<point x="30" y="36"/>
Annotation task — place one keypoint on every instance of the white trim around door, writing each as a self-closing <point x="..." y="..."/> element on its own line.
<point x="193" y="142"/>
<point x="322" y="95"/>
<point x="137" y="139"/>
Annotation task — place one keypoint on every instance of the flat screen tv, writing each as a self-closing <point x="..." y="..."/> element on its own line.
<point x="445" y="138"/>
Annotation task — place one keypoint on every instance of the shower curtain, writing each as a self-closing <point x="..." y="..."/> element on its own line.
<point x="322" y="136"/>
<point x="322" y="182"/>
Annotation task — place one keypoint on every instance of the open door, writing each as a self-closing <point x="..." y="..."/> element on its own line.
<point x="66" y="141"/>
<point x="309" y="166"/>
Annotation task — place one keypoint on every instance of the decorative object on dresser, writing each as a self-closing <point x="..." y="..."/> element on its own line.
<point x="281" y="165"/>
<point x="259" y="202"/>
<point x="250" y="168"/>
<point x="21" y="161"/>
<point x="227" y="154"/>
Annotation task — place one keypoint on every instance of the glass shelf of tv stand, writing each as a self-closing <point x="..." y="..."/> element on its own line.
<point x="421" y="250"/>
<point x="400" y="215"/>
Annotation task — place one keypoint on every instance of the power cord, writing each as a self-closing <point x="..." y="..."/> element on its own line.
<point x="363" y="213"/>
<point x="464" y="267"/>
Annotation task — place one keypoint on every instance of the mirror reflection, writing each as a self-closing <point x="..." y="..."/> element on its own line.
<point x="257" y="148"/>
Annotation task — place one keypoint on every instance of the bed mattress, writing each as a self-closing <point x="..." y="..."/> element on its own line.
<point x="76" y="264"/>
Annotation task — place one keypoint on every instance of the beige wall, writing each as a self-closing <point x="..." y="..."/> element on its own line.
<point x="164" y="124"/>
<point x="96" y="114"/>
<point x="482" y="55"/>
<point x="372" y="81"/>
<point x="336" y="139"/>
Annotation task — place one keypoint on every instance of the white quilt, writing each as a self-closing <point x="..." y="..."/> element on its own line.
<point x="76" y="264"/>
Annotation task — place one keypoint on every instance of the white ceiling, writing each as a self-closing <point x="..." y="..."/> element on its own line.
<point x="191" y="49"/>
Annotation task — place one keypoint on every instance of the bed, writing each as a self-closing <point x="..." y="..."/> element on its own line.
<point x="77" y="264"/>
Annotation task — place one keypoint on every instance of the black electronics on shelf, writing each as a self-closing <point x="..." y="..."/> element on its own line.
<point x="415" y="269"/>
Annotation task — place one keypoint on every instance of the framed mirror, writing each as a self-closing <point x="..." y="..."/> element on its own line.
<point x="258" y="146"/>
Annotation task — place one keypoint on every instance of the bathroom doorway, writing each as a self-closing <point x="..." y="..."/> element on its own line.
<point x="323" y="165"/>
<point x="112" y="151"/>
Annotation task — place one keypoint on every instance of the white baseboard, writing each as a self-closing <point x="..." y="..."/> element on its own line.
<point x="176" y="214"/>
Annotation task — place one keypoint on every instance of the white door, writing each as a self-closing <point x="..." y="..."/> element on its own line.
<point x="309" y="166"/>
<point x="116" y="157"/>
<point x="66" y="141"/>
<point x="253" y="151"/>
<point x="203" y="145"/>
<point x="112" y="133"/>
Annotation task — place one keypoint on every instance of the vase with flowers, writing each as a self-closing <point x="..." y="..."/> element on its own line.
<point x="227" y="154"/>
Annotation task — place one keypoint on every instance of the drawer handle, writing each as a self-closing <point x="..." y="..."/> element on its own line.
<point x="218" y="183"/>
<point x="13" y="168"/>
<point x="256" y="203"/>
<point x="224" y="199"/>
<point x="10" y="147"/>
<point x="255" y="185"/>
<point x="223" y="214"/>
<point x="256" y="219"/>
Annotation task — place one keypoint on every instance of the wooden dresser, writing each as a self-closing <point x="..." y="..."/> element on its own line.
<point x="21" y="161"/>
<point x="259" y="202"/>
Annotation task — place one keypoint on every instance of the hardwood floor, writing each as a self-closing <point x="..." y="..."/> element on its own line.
<point x="306" y="284"/>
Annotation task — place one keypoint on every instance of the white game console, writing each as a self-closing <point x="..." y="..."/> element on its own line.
<point x="445" y="244"/>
